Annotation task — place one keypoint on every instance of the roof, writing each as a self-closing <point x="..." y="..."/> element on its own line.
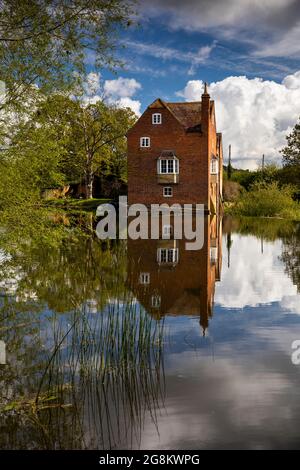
<point x="188" y="113"/>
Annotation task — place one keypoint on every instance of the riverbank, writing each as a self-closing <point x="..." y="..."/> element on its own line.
<point x="76" y="205"/>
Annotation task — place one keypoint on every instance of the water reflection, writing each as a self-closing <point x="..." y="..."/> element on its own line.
<point x="84" y="360"/>
<point x="168" y="279"/>
<point x="104" y="347"/>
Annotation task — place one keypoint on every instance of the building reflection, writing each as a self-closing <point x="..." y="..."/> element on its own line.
<point x="168" y="279"/>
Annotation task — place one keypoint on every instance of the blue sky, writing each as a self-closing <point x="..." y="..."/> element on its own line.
<point x="247" y="50"/>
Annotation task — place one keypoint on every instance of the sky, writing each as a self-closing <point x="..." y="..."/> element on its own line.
<point x="247" y="50"/>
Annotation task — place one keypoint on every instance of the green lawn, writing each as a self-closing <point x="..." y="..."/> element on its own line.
<point x="69" y="204"/>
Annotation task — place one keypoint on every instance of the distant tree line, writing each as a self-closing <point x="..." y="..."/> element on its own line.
<point x="289" y="173"/>
<point x="270" y="190"/>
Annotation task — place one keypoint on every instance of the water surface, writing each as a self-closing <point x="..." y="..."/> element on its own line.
<point x="128" y="345"/>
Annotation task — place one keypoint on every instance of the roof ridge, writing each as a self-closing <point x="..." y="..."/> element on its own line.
<point x="182" y="102"/>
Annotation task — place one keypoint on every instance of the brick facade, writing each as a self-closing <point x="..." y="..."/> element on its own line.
<point x="189" y="131"/>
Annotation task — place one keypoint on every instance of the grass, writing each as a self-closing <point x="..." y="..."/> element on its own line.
<point x="70" y="204"/>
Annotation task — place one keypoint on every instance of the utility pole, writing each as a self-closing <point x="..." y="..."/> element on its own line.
<point x="263" y="163"/>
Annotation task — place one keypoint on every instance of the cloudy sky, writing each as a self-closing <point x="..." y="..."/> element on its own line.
<point x="247" y="50"/>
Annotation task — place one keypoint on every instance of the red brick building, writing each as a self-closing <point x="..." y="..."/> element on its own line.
<point x="175" y="155"/>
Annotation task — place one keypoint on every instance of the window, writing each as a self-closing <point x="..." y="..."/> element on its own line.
<point x="214" y="166"/>
<point x="168" y="191"/>
<point x="167" y="166"/>
<point x="156" y="118"/>
<point x="145" y="278"/>
<point x="145" y="142"/>
<point x="167" y="255"/>
<point x="155" y="301"/>
<point x="167" y="230"/>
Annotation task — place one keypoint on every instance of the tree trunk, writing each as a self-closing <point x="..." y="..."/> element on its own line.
<point x="89" y="185"/>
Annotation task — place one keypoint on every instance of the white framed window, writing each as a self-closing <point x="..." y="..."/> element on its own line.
<point x="214" y="166"/>
<point x="156" y="118"/>
<point x="167" y="230"/>
<point x="145" y="278"/>
<point x="155" y="301"/>
<point x="145" y="141"/>
<point x="167" y="255"/>
<point x="168" y="191"/>
<point x="168" y="166"/>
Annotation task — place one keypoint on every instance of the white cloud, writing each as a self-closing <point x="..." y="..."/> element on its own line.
<point x="127" y="102"/>
<point x="254" y="115"/>
<point x="292" y="81"/>
<point x="194" y="15"/>
<point x="92" y="83"/>
<point x="121" y="87"/>
<point x="288" y="44"/>
<point x="119" y="91"/>
<point x="241" y="286"/>
<point x="193" y="58"/>
<point x="271" y="26"/>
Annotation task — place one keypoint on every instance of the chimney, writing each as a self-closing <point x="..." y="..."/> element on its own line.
<point x="205" y="100"/>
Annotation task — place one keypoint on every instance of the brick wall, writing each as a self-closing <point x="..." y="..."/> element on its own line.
<point x="191" y="150"/>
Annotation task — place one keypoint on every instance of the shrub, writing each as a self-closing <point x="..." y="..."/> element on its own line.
<point x="231" y="191"/>
<point x="268" y="200"/>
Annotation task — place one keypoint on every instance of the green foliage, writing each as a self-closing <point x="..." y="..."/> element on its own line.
<point x="289" y="174"/>
<point x="231" y="191"/>
<point x="62" y="142"/>
<point x="46" y="43"/>
<point x="291" y="153"/>
<point x="268" y="200"/>
<point x="92" y="137"/>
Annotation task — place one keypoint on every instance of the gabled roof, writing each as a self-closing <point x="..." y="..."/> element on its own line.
<point x="187" y="113"/>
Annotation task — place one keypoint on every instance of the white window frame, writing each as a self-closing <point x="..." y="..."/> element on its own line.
<point x="156" y="301"/>
<point x="156" y="118"/>
<point x="166" y="190"/>
<point x="170" y="169"/>
<point x="145" y="278"/>
<point x="167" y="255"/>
<point x="214" y="166"/>
<point x="145" y="142"/>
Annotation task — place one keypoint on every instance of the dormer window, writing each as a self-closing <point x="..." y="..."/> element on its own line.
<point x="156" y="118"/>
<point x="145" y="142"/>
<point x="214" y="166"/>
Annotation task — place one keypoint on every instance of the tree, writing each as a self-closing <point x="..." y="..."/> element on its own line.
<point x="67" y="141"/>
<point x="97" y="135"/>
<point x="291" y="153"/>
<point x="45" y="43"/>
<point x="229" y="167"/>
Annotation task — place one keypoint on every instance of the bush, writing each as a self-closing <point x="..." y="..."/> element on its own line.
<point x="268" y="200"/>
<point x="231" y="191"/>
